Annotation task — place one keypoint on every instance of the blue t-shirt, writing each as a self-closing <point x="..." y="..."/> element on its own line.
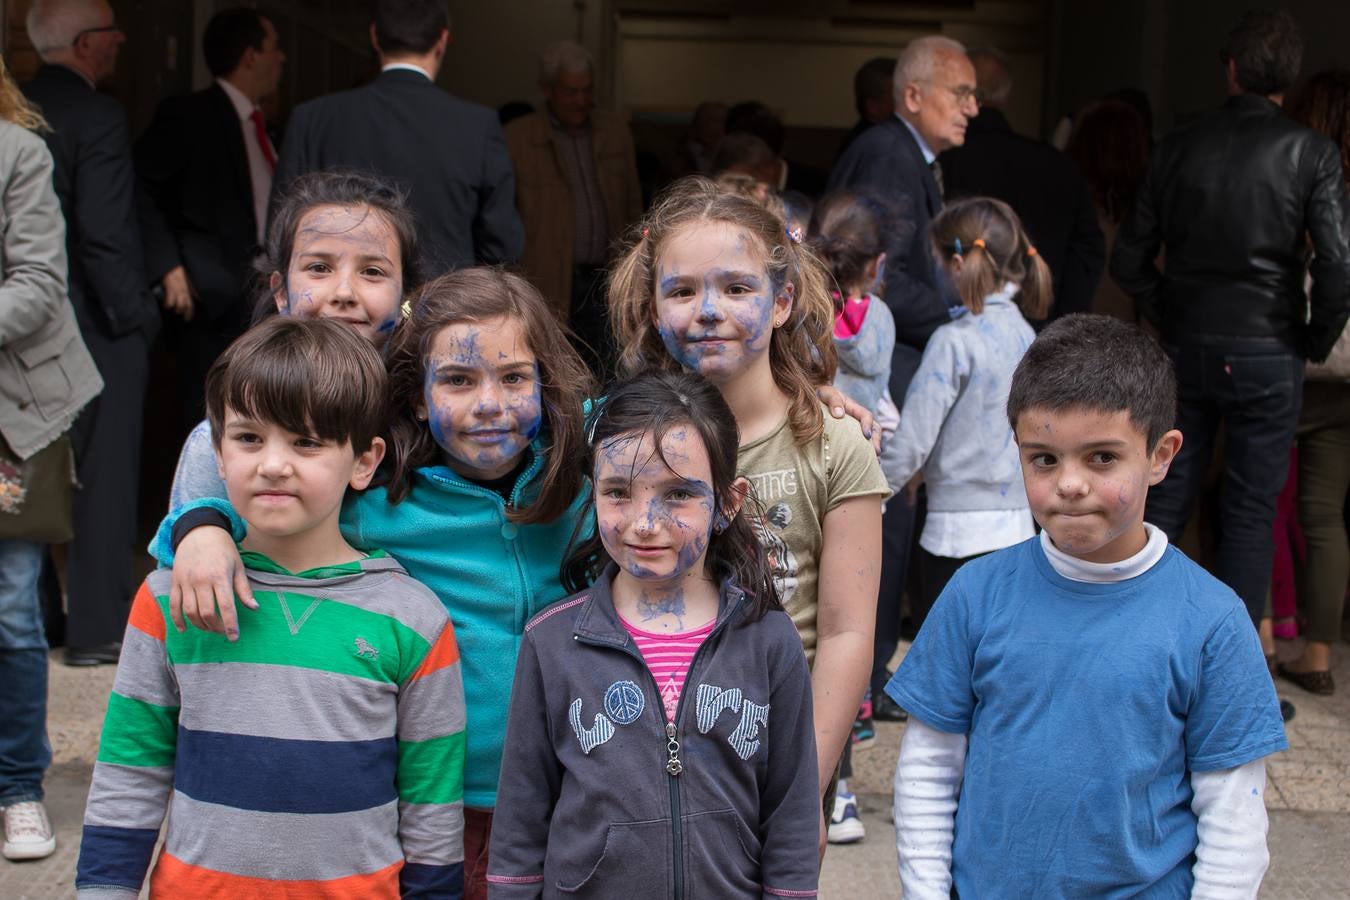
<point x="1087" y="707"/>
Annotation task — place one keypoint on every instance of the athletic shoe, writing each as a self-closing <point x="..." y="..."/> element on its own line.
<point x="28" y="832"/>
<point x="845" y="826"/>
<point x="884" y="709"/>
<point x="864" y="734"/>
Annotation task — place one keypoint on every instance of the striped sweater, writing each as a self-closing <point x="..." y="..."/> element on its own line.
<point x="320" y="756"/>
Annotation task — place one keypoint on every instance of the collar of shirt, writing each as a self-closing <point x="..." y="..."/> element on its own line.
<point x="409" y="67"/>
<point x="83" y="77"/>
<point x="242" y="105"/>
<point x="1075" y="569"/>
<point x="928" y="154"/>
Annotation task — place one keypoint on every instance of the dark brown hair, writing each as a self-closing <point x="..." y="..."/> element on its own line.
<point x="477" y="295"/>
<point x="1110" y="143"/>
<point x="1266" y="49"/>
<point x="654" y="403"/>
<point x="1324" y="106"/>
<point x="408" y="26"/>
<point x="994" y="250"/>
<point x="847" y="232"/>
<point x="801" y="351"/>
<point x="1097" y="363"/>
<point x="314" y="377"/>
<point x="332" y="187"/>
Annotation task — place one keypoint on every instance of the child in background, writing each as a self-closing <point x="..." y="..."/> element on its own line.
<point x="684" y="768"/>
<point x="1089" y="710"/>
<point x="847" y="233"/>
<point x="483" y="495"/>
<point x="952" y="428"/>
<point x="342" y="245"/>
<point x="713" y="284"/>
<point x="353" y="744"/>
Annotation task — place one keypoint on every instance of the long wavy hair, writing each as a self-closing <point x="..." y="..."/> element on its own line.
<point x="654" y="403"/>
<point x="15" y="107"/>
<point x="1323" y="104"/>
<point x="801" y="351"/>
<point x="477" y="295"/>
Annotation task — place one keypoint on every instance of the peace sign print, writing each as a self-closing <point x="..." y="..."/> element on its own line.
<point x="624" y="702"/>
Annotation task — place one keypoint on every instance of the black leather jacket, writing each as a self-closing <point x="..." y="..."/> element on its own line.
<point x="1234" y="198"/>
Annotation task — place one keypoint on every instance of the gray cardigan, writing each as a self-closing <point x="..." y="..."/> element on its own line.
<point x="954" y="424"/>
<point x="46" y="374"/>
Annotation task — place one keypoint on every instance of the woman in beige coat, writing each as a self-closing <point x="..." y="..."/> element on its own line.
<point x="46" y="376"/>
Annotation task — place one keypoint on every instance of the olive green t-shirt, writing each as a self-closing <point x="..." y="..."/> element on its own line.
<point x="793" y="487"/>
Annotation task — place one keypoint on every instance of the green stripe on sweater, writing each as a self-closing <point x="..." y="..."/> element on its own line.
<point x="136" y="733"/>
<point x="318" y="633"/>
<point x="431" y="771"/>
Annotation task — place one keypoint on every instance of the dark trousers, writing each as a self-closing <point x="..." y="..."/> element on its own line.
<point x="1253" y="389"/>
<point x="107" y="442"/>
<point x="934" y="573"/>
<point x="589" y="318"/>
<point x="897" y="537"/>
<point x="1323" y="483"/>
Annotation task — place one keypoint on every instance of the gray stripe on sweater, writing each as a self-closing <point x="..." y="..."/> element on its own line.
<point x="121" y="798"/>
<point x="433" y="834"/>
<point x="420" y="721"/>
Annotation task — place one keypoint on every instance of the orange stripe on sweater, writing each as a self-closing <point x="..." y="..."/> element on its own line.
<point x="443" y="653"/>
<point x="174" y="878"/>
<point x="146" y="615"/>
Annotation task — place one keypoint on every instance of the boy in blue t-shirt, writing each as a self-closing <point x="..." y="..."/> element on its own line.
<point x="1089" y="710"/>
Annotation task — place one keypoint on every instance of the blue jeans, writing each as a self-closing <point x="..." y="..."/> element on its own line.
<point x="24" y="751"/>
<point x="1254" y="389"/>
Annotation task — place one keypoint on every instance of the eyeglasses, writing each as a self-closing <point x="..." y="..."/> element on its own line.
<point x="965" y="94"/>
<point x="98" y="30"/>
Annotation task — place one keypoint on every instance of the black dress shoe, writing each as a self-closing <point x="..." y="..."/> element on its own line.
<point x="98" y="655"/>
<point x="884" y="709"/>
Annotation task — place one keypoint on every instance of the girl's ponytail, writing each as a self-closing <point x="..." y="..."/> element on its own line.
<point x="978" y="277"/>
<point x="994" y="250"/>
<point x="1037" y="292"/>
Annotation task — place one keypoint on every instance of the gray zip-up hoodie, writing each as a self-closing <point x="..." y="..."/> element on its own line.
<point x="601" y="797"/>
<point x="954" y="424"/>
<point x="865" y="358"/>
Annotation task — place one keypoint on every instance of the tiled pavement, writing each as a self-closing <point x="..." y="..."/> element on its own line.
<point x="1308" y="796"/>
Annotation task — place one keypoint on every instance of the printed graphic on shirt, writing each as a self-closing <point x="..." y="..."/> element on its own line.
<point x="592" y="737"/>
<point x="712" y="701"/>
<point x="771" y="489"/>
<point x="624" y="702"/>
<point x="670" y="697"/>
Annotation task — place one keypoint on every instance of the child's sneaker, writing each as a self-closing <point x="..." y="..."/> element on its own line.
<point x="864" y="733"/>
<point x="28" y="833"/>
<point x="845" y="825"/>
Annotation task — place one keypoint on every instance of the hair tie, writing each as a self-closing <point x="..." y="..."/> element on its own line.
<point x="836" y="295"/>
<point x="958" y="246"/>
<point x="1031" y="251"/>
<point x="644" y="233"/>
<point x="794" y="234"/>
<point x="978" y="242"/>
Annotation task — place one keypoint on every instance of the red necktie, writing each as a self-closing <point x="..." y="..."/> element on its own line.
<point x="261" y="131"/>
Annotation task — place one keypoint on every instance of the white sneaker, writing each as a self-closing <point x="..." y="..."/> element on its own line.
<point x="845" y="826"/>
<point x="28" y="832"/>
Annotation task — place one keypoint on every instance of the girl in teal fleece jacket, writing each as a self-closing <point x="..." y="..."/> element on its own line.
<point x="483" y="494"/>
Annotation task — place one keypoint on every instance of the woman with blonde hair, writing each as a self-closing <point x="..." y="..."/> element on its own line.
<point x="46" y="377"/>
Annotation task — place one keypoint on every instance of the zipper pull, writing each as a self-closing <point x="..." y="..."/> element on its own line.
<point x="674" y="766"/>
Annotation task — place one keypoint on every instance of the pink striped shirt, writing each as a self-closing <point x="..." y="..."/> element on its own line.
<point x="668" y="657"/>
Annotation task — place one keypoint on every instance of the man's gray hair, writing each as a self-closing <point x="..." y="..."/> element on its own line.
<point x="994" y="81"/>
<point x="563" y="57"/>
<point x="919" y="58"/>
<point x="54" y="24"/>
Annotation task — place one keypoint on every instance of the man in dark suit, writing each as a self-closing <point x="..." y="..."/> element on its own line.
<point x="1041" y="184"/>
<point x="873" y="96"/>
<point x="449" y="155"/>
<point x="118" y="317"/>
<point x="206" y="162"/>
<point x="934" y="90"/>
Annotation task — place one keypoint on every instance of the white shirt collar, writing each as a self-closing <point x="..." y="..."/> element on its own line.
<point x="242" y="105"/>
<point x="1075" y="569"/>
<point x="409" y="67"/>
<point x="928" y="154"/>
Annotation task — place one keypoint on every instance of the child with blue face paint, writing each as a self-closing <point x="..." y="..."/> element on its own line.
<point x="479" y="499"/>
<point x="342" y="246"/>
<point x="713" y="283"/>
<point x="671" y="691"/>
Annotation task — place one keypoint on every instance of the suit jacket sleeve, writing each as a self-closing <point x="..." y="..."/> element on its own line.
<point x="293" y="160"/>
<point x="34" y="285"/>
<point x="1329" y="227"/>
<point x="919" y="308"/>
<point x="1084" y="259"/>
<point x="161" y="157"/>
<point x="498" y="235"/>
<point x="1137" y="244"/>
<point x="105" y="216"/>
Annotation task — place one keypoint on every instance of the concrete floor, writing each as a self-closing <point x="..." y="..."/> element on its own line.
<point x="1308" y="796"/>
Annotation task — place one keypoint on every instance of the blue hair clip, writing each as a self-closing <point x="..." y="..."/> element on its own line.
<point x="958" y="246"/>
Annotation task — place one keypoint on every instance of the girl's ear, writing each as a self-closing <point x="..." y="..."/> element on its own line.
<point x="740" y="489"/>
<point x="782" y="304"/>
<point x="955" y="262"/>
<point x="278" y="289"/>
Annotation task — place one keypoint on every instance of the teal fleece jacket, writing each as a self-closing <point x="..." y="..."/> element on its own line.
<point x="491" y="574"/>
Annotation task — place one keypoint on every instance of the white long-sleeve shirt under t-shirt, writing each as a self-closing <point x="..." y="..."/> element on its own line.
<point x="1229" y="804"/>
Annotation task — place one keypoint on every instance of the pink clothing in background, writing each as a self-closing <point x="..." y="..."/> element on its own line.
<point x="849" y="320"/>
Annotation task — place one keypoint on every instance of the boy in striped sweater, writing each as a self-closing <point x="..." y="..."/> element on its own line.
<point x="321" y="756"/>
